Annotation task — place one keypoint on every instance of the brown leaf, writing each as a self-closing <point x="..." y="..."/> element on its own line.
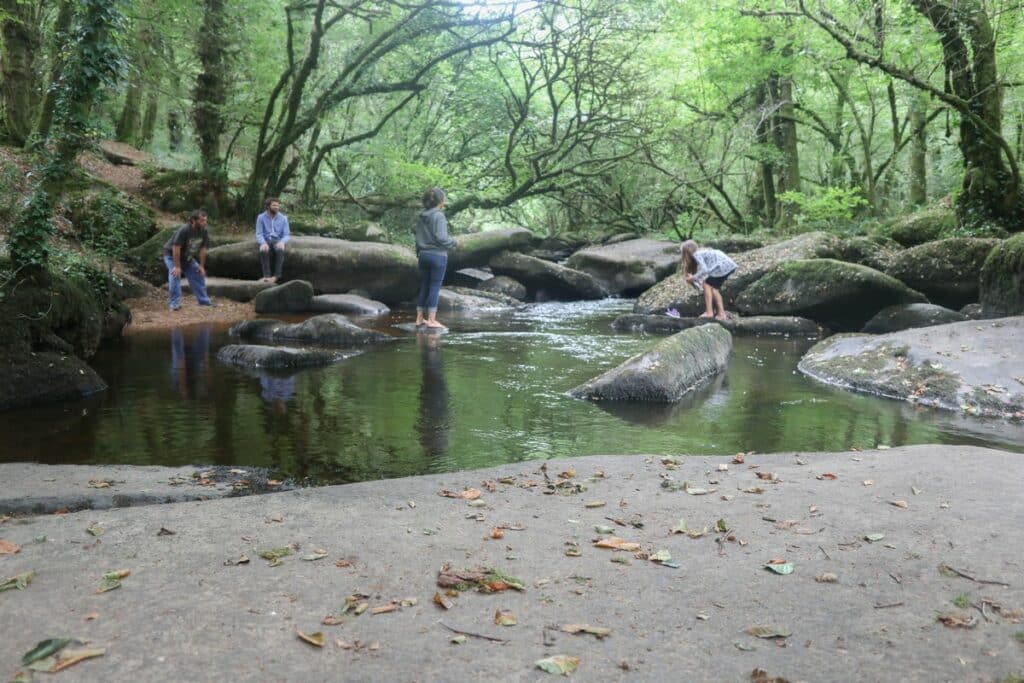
<point x="827" y="577"/>
<point x="490" y="486"/>
<point x="8" y="548"/>
<point x="470" y="494"/>
<point x="343" y="564"/>
<point x="332" y="620"/>
<point x="497" y="533"/>
<point x="383" y="609"/>
<point x="67" y="658"/>
<point x="568" y="474"/>
<point x="902" y="504"/>
<point x="762" y="676"/>
<point x="316" y="639"/>
<point x="767" y="631"/>
<point x="827" y="475"/>
<point x="616" y="543"/>
<point x="956" y="620"/>
<point x="598" y="631"/>
<point x="505" y="618"/>
<point x="738" y="459"/>
<point x="442" y="602"/>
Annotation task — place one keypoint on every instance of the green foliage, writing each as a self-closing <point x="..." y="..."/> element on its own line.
<point x="825" y="208"/>
<point x="110" y="222"/>
<point x="963" y="601"/>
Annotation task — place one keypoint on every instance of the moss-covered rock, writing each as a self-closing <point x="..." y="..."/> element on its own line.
<point x="628" y="268"/>
<point x="840" y="295"/>
<point x="946" y="271"/>
<point x="1002" y="278"/>
<point x="476" y="249"/>
<point x="291" y="297"/>
<point x="926" y="225"/>
<point x="734" y="244"/>
<point x="675" y="292"/>
<point x="961" y="366"/>
<point x="671" y="369"/>
<point x="387" y="272"/>
<point x="34" y="379"/>
<point x="321" y="226"/>
<point x="110" y="221"/>
<point x="329" y="329"/>
<point x="146" y="260"/>
<point x="873" y="252"/>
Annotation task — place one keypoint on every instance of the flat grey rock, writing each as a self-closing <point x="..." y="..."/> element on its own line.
<point x="348" y="304"/>
<point x="753" y="326"/>
<point x="255" y="356"/>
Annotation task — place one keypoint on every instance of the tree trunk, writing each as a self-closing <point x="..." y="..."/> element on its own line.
<point x="130" y="123"/>
<point x="20" y="94"/>
<point x="762" y="133"/>
<point x="149" y="119"/>
<point x="60" y="34"/>
<point x="918" y="154"/>
<point x="211" y="87"/>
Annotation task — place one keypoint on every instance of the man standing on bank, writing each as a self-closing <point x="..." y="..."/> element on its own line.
<point x="180" y="252"/>
<point x="432" y="247"/>
<point x="272" y="233"/>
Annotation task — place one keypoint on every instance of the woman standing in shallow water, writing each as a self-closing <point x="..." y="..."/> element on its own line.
<point x="432" y="247"/>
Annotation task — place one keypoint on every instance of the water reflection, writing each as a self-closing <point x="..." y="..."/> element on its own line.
<point x="190" y="367"/>
<point x="277" y="391"/>
<point x="433" y="419"/>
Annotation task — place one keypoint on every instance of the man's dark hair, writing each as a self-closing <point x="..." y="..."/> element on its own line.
<point x="270" y="200"/>
<point x="433" y="197"/>
<point x="195" y="216"/>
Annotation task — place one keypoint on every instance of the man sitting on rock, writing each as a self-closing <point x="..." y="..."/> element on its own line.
<point x="188" y="241"/>
<point x="272" y="233"/>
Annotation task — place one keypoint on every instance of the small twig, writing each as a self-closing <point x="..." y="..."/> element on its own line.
<point x="946" y="567"/>
<point x="469" y="633"/>
<point x="827" y="556"/>
<point x="895" y="578"/>
<point x="981" y="608"/>
<point x="891" y="604"/>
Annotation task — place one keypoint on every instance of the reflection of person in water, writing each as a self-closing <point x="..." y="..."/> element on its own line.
<point x="432" y="421"/>
<point x="189" y="369"/>
<point x="277" y="390"/>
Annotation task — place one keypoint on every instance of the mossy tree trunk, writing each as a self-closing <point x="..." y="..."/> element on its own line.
<point x="149" y="118"/>
<point x="20" y="93"/>
<point x="61" y="27"/>
<point x="918" y="155"/>
<point x="210" y="94"/>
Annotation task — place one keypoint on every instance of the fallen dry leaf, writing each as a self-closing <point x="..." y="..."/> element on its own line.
<point x="497" y="533"/>
<point x="558" y="664"/>
<point x="738" y="459"/>
<point x="827" y="475"/>
<point x="616" y="543"/>
<point x="442" y="602"/>
<point x="332" y="620"/>
<point x="316" y="639"/>
<point x="954" y="620"/>
<point x="827" y="577"/>
<point x="383" y="609"/>
<point x="8" y="548"/>
<point x="505" y="618"/>
<point x="598" y="631"/>
<point x="899" y="504"/>
<point x="343" y="564"/>
<point x="767" y="631"/>
<point x="762" y="676"/>
<point x="767" y="476"/>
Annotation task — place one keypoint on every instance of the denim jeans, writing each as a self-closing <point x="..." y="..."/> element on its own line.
<point x="196" y="282"/>
<point x="432" y="266"/>
<point x="278" y="259"/>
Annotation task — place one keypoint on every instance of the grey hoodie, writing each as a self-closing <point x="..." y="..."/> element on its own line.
<point x="432" y="232"/>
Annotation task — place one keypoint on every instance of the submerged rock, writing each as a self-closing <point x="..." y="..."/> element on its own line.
<point x="291" y="297"/>
<point x="945" y="271"/>
<point x="908" y="316"/>
<point x="330" y="329"/>
<point x="969" y="367"/>
<point x="276" y="357"/>
<point x="1002" y="278"/>
<point x="548" y="281"/>
<point x="630" y="267"/>
<point x="841" y="295"/>
<point x="754" y="326"/>
<point x="673" y="367"/>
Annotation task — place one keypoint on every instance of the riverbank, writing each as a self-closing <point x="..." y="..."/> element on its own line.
<point x="151" y="312"/>
<point x="863" y="533"/>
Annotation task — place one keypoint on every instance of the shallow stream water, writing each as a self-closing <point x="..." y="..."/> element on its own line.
<point x="491" y="391"/>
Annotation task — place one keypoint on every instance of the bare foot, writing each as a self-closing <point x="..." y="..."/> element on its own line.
<point x="706" y="315"/>
<point x="722" y="317"/>
<point x="434" y="324"/>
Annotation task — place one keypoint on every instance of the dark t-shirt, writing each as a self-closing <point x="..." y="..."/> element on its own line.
<point x="190" y="241"/>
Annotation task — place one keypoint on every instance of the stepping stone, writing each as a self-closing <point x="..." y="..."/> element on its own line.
<point x="411" y="327"/>
<point x="350" y="304"/>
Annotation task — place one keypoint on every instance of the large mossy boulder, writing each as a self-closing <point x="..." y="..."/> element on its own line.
<point x="319" y="226"/>
<point x="926" y="225"/>
<point x="329" y="329"/>
<point x="110" y="221"/>
<point x="840" y="295"/>
<point x="675" y="292"/>
<point x="628" y="268"/>
<point x="546" y="281"/>
<point x="1002" y="279"/>
<point x="909" y="316"/>
<point x="385" y="272"/>
<point x="945" y="271"/>
<point x="184" y="191"/>
<point x="291" y="297"/>
<point x="255" y="356"/>
<point x="666" y="373"/>
<point x="734" y="244"/>
<point x="873" y="252"/>
<point x="967" y="367"/>
<point x="476" y="249"/>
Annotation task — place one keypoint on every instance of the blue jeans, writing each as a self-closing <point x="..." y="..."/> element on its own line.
<point x="195" y="281"/>
<point x="432" y="266"/>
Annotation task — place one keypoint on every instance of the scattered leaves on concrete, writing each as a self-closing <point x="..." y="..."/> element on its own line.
<point x="617" y="543"/>
<point x="484" y="579"/>
<point x="829" y="476"/>
<point x="43" y="649"/>
<point x="767" y="631"/>
<point x="873" y="538"/>
<point x="762" y="676"/>
<point x="558" y="664"/>
<point x="242" y="559"/>
<point x="112" y="580"/>
<point x="598" y="632"/>
<point x="317" y="554"/>
<point x="274" y="555"/>
<point x="957" y="620"/>
<point x="94" y="530"/>
<point x="315" y="639"/>
<point x="779" y="566"/>
<point x="827" y="577"/>
<point x="505" y="618"/>
<point x="442" y="601"/>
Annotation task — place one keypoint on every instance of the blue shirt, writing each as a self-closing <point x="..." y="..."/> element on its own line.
<point x="272" y="230"/>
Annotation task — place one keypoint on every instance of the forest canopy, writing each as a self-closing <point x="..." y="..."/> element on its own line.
<point x="646" y="116"/>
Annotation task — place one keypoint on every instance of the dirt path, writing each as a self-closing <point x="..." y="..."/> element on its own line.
<point x="897" y="565"/>
<point x="152" y="312"/>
